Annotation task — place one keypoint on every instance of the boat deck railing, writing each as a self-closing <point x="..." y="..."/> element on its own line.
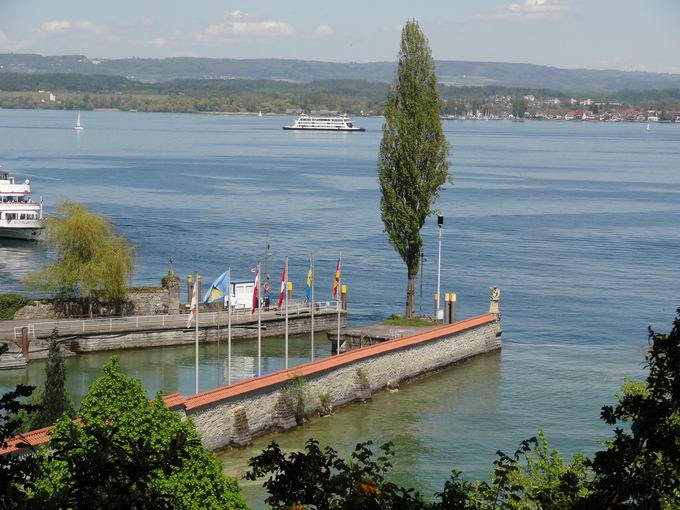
<point x="71" y="327"/>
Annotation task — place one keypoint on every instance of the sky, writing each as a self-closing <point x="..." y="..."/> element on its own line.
<point x="595" y="34"/>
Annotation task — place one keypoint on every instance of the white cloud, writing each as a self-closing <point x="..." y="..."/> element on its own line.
<point x="63" y="26"/>
<point x="53" y="27"/>
<point x="158" y="42"/>
<point x="5" y="43"/>
<point x="530" y="11"/>
<point x="9" y="46"/>
<point x="238" y="24"/>
<point x="323" y="30"/>
<point x="91" y="27"/>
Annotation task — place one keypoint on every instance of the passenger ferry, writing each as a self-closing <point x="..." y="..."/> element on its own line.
<point x="324" y="123"/>
<point x="20" y="216"/>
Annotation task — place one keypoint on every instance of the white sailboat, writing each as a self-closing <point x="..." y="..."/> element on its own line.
<point x="78" y="127"/>
<point x="260" y="114"/>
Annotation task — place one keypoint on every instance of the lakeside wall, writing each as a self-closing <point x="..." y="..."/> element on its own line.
<point x="234" y="415"/>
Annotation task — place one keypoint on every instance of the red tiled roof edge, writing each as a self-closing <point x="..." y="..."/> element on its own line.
<point x="314" y="367"/>
<point x="41" y="436"/>
<point x="32" y="438"/>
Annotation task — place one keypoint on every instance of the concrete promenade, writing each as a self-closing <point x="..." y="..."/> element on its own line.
<point x="10" y="330"/>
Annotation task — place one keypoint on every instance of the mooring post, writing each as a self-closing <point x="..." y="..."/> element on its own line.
<point x="452" y="305"/>
<point x="447" y="308"/>
<point x="436" y="307"/>
<point x="189" y="282"/>
<point x="24" y="342"/>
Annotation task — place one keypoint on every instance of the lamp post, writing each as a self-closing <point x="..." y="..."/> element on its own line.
<point x="440" y="224"/>
<point x="267" y="254"/>
<point x="422" y="270"/>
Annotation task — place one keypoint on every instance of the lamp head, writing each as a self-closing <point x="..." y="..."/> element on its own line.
<point x="440" y="220"/>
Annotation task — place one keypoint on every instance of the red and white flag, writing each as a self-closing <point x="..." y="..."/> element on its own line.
<point x="256" y="290"/>
<point x="283" y="287"/>
<point x="194" y="302"/>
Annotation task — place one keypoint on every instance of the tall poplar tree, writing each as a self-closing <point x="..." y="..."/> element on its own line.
<point x="413" y="159"/>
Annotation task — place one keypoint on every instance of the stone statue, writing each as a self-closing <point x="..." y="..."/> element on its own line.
<point x="494" y="299"/>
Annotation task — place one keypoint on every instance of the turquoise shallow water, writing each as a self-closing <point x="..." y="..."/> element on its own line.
<point x="577" y="223"/>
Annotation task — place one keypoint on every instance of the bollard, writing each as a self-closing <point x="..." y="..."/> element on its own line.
<point x="343" y="303"/>
<point x="436" y="308"/>
<point x="189" y="282"/>
<point x="290" y="291"/>
<point x="24" y="342"/>
<point x="452" y="305"/>
<point x="447" y="308"/>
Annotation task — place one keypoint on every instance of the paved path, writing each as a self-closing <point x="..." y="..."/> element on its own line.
<point x="9" y="330"/>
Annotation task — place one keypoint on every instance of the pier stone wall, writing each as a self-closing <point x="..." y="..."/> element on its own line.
<point x="233" y="415"/>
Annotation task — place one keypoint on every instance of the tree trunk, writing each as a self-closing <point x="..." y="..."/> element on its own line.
<point x="410" y="292"/>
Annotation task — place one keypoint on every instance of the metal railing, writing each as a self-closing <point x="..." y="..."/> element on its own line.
<point x="151" y="322"/>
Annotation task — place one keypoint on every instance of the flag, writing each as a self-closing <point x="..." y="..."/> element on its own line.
<point x="194" y="302"/>
<point x="283" y="287"/>
<point x="256" y="290"/>
<point x="308" y="284"/>
<point x="218" y="290"/>
<point x="336" y="280"/>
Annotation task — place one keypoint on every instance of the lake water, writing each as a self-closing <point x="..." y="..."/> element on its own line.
<point x="577" y="223"/>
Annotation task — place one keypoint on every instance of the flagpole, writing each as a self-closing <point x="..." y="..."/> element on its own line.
<point x="285" y="296"/>
<point x="219" y="316"/>
<point x="311" y="264"/>
<point x="259" y="325"/>
<point x="338" y="297"/>
<point x="229" y="325"/>
<point x="196" y="294"/>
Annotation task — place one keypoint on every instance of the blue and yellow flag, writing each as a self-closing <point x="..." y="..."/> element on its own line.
<point x="218" y="290"/>
<point x="308" y="284"/>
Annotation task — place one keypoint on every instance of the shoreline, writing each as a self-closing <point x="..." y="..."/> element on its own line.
<point x="275" y="114"/>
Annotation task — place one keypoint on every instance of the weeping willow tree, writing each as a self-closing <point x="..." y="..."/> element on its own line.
<point x="413" y="159"/>
<point x="91" y="262"/>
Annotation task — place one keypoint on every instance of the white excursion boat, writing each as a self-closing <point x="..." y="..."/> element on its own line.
<point x="20" y="217"/>
<point x="324" y="123"/>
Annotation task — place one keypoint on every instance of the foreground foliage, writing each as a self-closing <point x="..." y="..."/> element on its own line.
<point x="638" y="469"/>
<point x="14" y="471"/>
<point x="123" y="452"/>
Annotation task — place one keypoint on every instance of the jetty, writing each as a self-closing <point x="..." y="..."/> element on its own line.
<point x="78" y="336"/>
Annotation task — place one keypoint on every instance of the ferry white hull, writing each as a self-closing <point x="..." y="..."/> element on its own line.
<point x="334" y="129"/>
<point x="332" y="124"/>
<point x="34" y="233"/>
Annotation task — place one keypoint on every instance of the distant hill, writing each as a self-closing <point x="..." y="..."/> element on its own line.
<point x="448" y="71"/>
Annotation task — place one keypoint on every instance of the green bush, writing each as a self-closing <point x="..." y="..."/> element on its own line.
<point x="129" y="453"/>
<point x="10" y="304"/>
